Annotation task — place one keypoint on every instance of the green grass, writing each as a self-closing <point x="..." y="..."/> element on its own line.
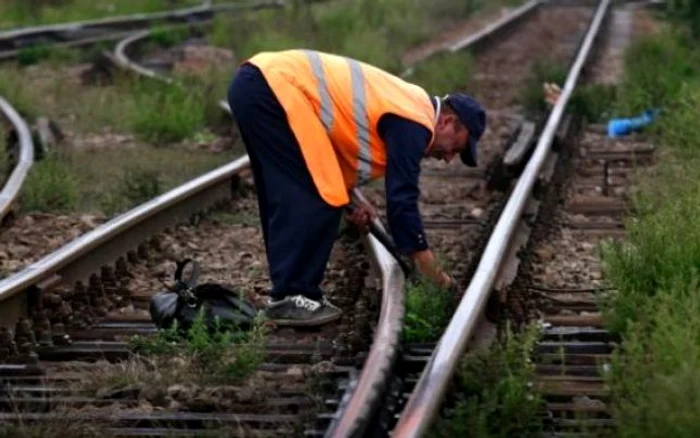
<point x="656" y="308"/>
<point x="212" y="356"/>
<point x="50" y="187"/>
<point x="17" y="13"/>
<point x="137" y="132"/>
<point x="115" y="180"/>
<point x="532" y="94"/>
<point x="428" y="310"/>
<point x="492" y="394"/>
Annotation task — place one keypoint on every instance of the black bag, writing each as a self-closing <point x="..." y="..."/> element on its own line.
<point x="184" y="301"/>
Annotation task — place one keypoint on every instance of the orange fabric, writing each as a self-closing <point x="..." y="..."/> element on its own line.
<point x="348" y="96"/>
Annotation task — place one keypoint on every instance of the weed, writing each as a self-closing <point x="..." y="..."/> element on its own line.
<point x="428" y="309"/>
<point x="169" y="36"/>
<point x="164" y="113"/>
<point x="140" y="185"/>
<point x="443" y="73"/>
<point x="656" y="69"/>
<point x="213" y="355"/>
<point x="33" y="54"/>
<point x="654" y="377"/>
<point x="495" y="396"/>
<point x="50" y="186"/>
<point x="532" y="95"/>
<point x="686" y="12"/>
<point x="594" y="102"/>
<point x="16" y="93"/>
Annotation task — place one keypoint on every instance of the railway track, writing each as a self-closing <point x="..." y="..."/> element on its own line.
<point x="542" y="261"/>
<point x="72" y="311"/>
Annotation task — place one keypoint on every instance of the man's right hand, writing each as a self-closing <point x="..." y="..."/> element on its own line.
<point x="426" y="265"/>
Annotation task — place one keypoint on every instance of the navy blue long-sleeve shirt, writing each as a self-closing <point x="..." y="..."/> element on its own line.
<point x="406" y="143"/>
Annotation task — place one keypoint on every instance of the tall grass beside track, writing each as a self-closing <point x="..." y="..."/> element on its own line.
<point x="656" y="270"/>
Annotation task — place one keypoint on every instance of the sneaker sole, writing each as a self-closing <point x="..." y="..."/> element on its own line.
<point x="306" y="322"/>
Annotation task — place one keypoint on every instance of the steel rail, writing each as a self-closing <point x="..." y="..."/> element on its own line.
<point x="425" y="401"/>
<point x="13" y="185"/>
<point x="110" y="232"/>
<point x="352" y="420"/>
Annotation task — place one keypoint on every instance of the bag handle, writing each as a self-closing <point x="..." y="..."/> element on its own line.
<point x="185" y="289"/>
<point x="192" y="281"/>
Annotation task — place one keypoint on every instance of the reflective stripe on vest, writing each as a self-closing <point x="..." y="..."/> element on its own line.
<point x="333" y="105"/>
<point x="359" y="106"/>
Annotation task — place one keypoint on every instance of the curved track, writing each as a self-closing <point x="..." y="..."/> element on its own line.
<point x="20" y="149"/>
<point x="64" y="310"/>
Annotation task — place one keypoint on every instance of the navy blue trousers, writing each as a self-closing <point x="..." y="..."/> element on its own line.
<point x="298" y="226"/>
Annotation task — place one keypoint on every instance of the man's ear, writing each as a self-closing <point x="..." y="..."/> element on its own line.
<point x="445" y="119"/>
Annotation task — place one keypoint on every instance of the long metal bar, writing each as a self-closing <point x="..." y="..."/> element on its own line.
<point x="492" y="28"/>
<point x="26" y="158"/>
<point x="425" y="401"/>
<point x="83" y="245"/>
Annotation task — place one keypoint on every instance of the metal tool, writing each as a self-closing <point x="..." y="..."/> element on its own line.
<point x="376" y="228"/>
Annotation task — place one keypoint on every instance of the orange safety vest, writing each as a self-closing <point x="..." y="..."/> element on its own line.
<point x="333" y="105"/>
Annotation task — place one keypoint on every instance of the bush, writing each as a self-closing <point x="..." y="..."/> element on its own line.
<point x="428" y="310"/>
<point x="166" y="113"/>
<point x="495" y="396"/>
<point x="49" y="187"/>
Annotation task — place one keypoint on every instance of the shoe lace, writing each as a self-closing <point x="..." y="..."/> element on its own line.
<point x="302" y="301"/>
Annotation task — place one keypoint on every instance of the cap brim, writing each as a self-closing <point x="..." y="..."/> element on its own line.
<point x="468" y="155"/>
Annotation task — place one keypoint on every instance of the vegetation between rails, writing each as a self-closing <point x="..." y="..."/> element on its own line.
<point x="199" y="357"/>
<point x="494" y="394"/>
<point x="655" y="271"/>
<point x="429" y="308"/>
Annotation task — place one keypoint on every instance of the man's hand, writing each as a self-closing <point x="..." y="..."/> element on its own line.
<point x="426" y="265"/>
<point x="361" y="215"/>
<point x="552" y="92"/>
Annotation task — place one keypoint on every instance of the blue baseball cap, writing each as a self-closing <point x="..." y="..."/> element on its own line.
<point x="473" y="118"/>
